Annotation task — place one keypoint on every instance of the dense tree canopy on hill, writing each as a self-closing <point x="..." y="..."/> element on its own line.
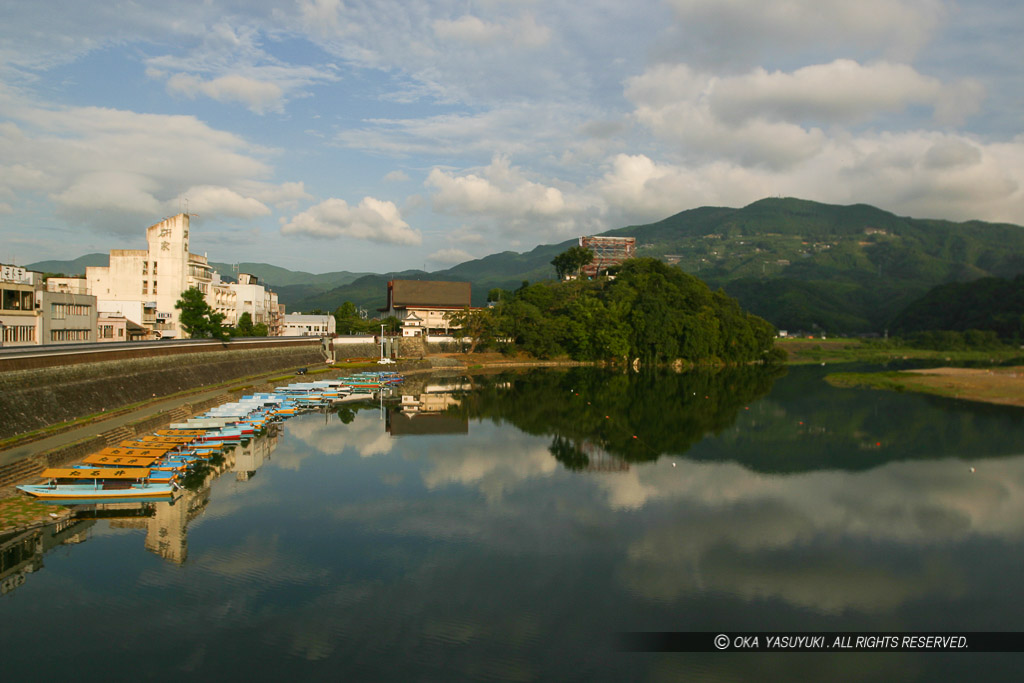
<point x="989" y="304"/>
<point x="651" y="311"/>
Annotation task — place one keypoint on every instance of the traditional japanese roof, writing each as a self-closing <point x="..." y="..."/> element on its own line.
<point x="428" y="293"/>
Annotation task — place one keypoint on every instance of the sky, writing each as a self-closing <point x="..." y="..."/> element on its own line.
<point x="382" y="135"/>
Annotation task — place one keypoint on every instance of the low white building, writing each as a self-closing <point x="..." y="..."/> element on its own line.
<point x="299" y="325"/>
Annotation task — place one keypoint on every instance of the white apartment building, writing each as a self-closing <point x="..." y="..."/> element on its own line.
<point x="259" y="302"/>
<point x="222" y="298"/>
<point x="144" y="284"/>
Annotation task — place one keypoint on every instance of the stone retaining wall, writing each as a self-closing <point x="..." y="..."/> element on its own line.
<point x="35" y="398"/>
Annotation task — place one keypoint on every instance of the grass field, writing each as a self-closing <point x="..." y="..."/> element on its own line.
<point x="1003" y="385"/>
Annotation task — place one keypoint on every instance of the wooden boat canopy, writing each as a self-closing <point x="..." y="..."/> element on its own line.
<point x="154" y="451"/>
<point x="181" y="432"/>
<point x="98" y="473"/>
<point x="100" y="460"/>
<point x="165" y="439"/>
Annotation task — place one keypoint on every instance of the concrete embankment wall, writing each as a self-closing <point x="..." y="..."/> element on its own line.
<point x="405" y="347"/>
<point x="37" y="397"/>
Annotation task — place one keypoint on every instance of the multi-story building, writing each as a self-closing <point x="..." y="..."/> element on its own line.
<point x="423" y="306"/>
<point x="20" y="323"/>
<point x="222" y="299"/>
<point x="67" y="318"/>
<point x="33" y="314"/>
<point x="146" y="283"/>
<point x="259" y="302"/>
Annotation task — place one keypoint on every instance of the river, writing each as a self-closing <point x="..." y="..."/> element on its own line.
<point x="509" y="527"/>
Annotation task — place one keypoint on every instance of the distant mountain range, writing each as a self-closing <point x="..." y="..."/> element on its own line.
<point x="801" y="265"/>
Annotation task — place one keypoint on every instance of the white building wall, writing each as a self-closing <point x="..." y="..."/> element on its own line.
<point x="68" y="285"/>
<point x="158" y="275"/>
<point x="298" y="325"/>
<point x="259" y="302"/>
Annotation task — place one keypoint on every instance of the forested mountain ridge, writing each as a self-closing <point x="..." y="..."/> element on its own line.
<point x="799" y="264"/>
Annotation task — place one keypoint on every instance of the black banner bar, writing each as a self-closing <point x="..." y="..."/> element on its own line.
<point x="827" y="641"/>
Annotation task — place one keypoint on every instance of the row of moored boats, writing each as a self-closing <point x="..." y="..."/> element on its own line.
<point x="151" y="466"/>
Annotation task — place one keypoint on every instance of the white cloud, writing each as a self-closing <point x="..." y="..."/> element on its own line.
<point x="285" y="195"/>
<point x="117" y="170"/>
<point x="258" y="96"/>
<point x="471" y="29"/>
<point x="396" y="177"/>
<point x="467" y="28"/>
<point x="500" y="190"/>
<point x="450" y="257"/>
<point x="840" y="92"/>
<point x="731" y="28"/>
<point x="520" y="128"/>
<point x="373" y="220"/>
<point x="759" y="117"/>
<point x="212" y="200"/>
<point x="110" y="190"/>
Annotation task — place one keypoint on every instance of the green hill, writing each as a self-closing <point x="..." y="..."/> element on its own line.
<point x="989" y="304"/>
<point x="805" y="265"/>
<point x="70" y="268"/>
<point x="801" y="265"/>
<point x="277" y="277"/>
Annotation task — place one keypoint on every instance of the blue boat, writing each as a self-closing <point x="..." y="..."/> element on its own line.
<point x="98" y="484"/>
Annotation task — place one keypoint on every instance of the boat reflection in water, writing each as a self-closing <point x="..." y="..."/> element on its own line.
<point x="165" y="520"/>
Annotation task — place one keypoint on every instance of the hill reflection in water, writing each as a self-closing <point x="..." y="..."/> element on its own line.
<point x="515" y="537"/>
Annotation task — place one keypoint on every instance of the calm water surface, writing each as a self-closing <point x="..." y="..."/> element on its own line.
<point x="506" y="528"/>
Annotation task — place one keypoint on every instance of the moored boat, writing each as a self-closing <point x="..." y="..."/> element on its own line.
<point x="97" y="483"/>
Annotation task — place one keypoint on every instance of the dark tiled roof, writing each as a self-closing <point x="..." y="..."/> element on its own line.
<point x="429" y="293"/>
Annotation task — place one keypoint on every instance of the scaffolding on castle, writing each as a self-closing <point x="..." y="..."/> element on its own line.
<point x="608" y="252"/>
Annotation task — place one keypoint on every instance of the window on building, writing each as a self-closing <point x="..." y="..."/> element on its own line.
<point x="19" y="333"/>
<point x="17" y="300"/>
<point x="154" y="287"/>
<point x="61" y="311"/>
<point x="154" y="267"/>
<point x="145" y="268"/>
<point x="69" y="335"/>
<point x="145" y="287"/>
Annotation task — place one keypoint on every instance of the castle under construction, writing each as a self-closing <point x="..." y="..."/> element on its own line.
<point x="608" y="252"/>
